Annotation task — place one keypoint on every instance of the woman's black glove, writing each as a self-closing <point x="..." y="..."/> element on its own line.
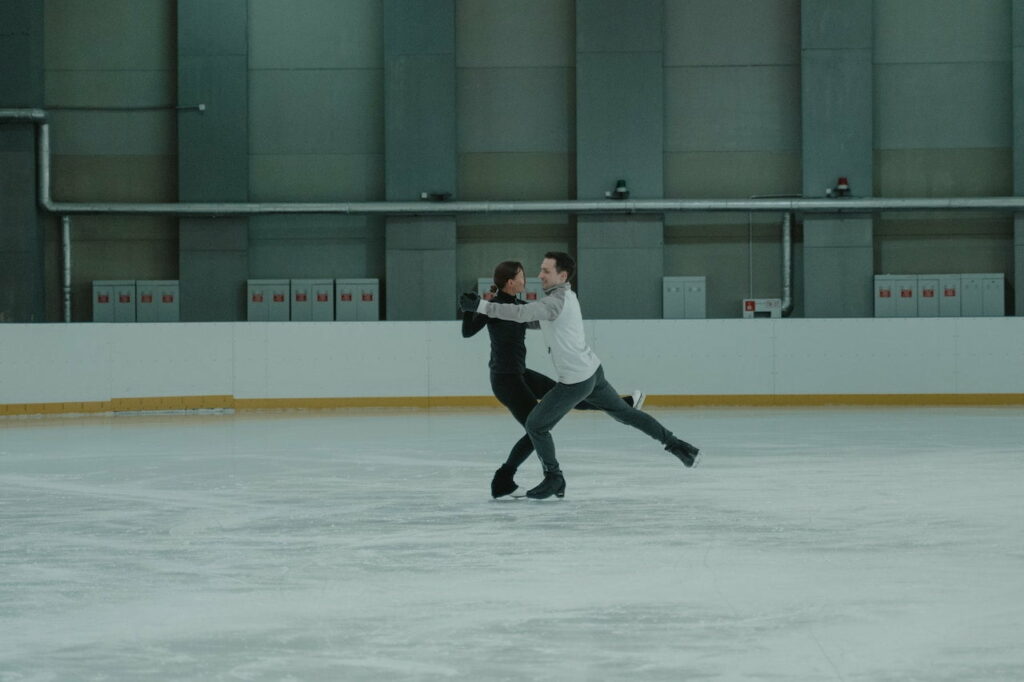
<point x="469" y="301"/>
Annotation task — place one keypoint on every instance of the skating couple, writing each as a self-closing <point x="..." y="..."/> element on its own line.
<point x="581" y="382"/>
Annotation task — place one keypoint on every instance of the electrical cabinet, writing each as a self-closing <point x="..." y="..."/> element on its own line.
<point x="357" y="300"/>
<point x="113" y="301"/>
<point x="928" y="296"/>
<point x="905" y="290"/>
<point x="896" y="295"/>
<point x="949" y="295"/>
<point x="983" y="295"/>
<point x="885" y="304"/>
<point x="684" y="298"/>
<point x="312" y="300"/>
<point x="968" y="295"/>
<point x="157" y="301"/>
<point x="267" y="300"/>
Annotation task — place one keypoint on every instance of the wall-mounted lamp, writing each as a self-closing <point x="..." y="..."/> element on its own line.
<point x="620" y="191"/>
<point x="842" y="188"/>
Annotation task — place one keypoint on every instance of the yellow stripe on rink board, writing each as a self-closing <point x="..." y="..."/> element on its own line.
<point x="839" y="400"/>
<point x="342" y="403"/>
<point x="227" y="402"/>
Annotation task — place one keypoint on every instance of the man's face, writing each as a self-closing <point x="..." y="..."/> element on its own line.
<point x="550" y="277"/>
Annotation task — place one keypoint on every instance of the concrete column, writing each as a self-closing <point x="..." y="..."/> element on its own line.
<point x="420" y="155"/>
<point x="1018" y="152"/>
<point x="22" y="291"/>
<point x="213" y="156"/>
<point x="838" y="141"/>
<point x="620" y="116"/>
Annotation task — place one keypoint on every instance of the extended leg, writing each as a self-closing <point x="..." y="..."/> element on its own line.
<point x="606" y="398"/>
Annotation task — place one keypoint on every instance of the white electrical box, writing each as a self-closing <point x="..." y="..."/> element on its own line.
<point x="357" y="300"/>
<point x="983" y="295"/>
<point x="938" y="295"/>
<point x="684" y="298"/>
<point x="113" y="301"/>
<point x="885" y="304"/>
<point x="267" y="300"/>
<point x="157" y="301"/>
<point x="905" y="293"/>
<point x="896" y="295"/>
<point x="969" y="295"/>
<point x="928" y="296"/>
<point x="762" y="307"/>
<point x="949" y="295"/>
<point x="312" y="300"/>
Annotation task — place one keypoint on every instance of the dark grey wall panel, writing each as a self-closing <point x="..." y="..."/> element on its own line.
<point x="421" y="284"/>
<point x="838" y="281"/>
<point x="21" y="53"/>
<point x="212" y="282"/>
<point x="420" y="137"/>
<point x="837" y="84"/>
<point x="837" y="120"/>
<point x="1018" y="150"/>
<point x="620" y="263"/>
<point x="420" y="155"/>
<point x="620" y="123"/>
<point x="22" y="288"/>
<point x="731" y="32"/>
<point x="620" y="113"/>
<point x="213" y="27"/>
<point x="213" y="156"/>
<point x="615" y="26"/>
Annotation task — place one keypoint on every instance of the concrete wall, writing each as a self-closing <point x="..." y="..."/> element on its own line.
<point x="942" y="125"/>
<point x="120" y="54"/>
<point x="712" y="360"/>
<point x="316" y="78"/>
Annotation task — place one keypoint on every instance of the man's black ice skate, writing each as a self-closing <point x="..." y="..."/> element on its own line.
<point x="687" y="453"/>
<point x="503" y="484"/>
<point x="553" y="484"/>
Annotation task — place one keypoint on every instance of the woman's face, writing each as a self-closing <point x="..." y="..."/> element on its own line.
<point x="516" y="284"/>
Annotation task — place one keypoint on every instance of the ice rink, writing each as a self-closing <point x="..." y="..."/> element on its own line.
<point x="810" y="544"/>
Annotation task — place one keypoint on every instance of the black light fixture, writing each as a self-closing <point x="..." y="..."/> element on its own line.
<point x="620" y="192"/>
<point x="435" y="196"/>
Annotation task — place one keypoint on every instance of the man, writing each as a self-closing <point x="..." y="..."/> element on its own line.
<point x="580" y="375"/>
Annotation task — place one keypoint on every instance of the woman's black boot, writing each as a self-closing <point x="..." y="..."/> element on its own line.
<point x="503" y="484"/>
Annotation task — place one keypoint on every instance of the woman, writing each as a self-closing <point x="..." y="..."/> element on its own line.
<point x="516" y="387"/>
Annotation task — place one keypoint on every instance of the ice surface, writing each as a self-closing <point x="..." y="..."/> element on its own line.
<point x="813" y="544"/>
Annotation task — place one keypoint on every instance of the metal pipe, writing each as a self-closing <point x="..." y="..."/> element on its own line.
<point x="787" y="264"/>
<point x="43" y="167"/>
<point x="578" y="207"/>
<point x="22" y="115"/>
<point x="65" y="242"/>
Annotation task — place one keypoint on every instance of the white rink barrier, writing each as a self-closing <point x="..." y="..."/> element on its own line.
<point x="60" y="368"/>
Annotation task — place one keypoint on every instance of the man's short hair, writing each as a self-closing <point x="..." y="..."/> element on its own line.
<point x="563" y="263"/>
